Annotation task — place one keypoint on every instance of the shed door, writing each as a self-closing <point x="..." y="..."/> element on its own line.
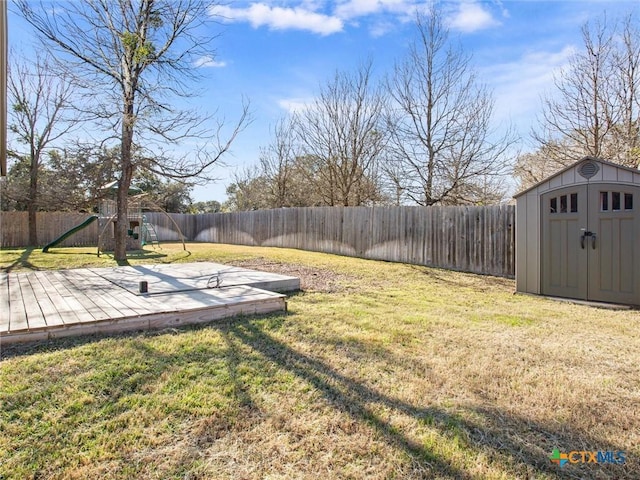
<point x="564" y="262"/>
<point x="614" y="247"/>
<point x="591" y="243"/>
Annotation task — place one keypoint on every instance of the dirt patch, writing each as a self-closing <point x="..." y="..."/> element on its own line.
<point x="311" y="279"/>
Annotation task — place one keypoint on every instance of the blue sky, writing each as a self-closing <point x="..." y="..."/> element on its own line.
<point x="278" y="53"/>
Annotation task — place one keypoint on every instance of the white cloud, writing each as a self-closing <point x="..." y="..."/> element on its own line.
<point x="381" y="28"/>
<point x="281" y="18"/>
<point x="348" y="9"/>
<point x="519" y="85"/>
<point x="503" y="10"/>
<point x="358" y="8"/>
<point x="306" y="14"/>
<point x="471" y="17"/>
<point x="208" y="61"/>
<point x="292" y="105"/>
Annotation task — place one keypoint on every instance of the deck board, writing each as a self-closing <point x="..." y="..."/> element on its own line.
<point x="50" y="304"/>
<point x="17" y="312"/>
<point x="68" y="313"/>
<point x="128" y="304"/>
<point x="35" y="317"/>
<point x="50" y="313"/>
<point x="91" y="288"/>
<point x="168" y="278"/>
<point x="5" y="312"/>
<point x="77" y="301"/>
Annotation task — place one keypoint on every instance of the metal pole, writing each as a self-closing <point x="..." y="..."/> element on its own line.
<point x="3" y="88"/>
<point x="3" y="105"/>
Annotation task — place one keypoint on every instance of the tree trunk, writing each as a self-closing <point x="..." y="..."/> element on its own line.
<point x="32" y="205"/>
<point x="122" y="223"/>
<point x="120" y="251"/>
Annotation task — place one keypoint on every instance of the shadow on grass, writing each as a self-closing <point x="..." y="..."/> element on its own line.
<point x="135" y="255"/>
<point x="141" y="255"/>
<point x="233" y="362"/>
<point x="144" y="255"/>
<point x="57" y="252"/>
<point x="21" y="261"/>
<point x="517" y="445"/>
<point x="519" y="442"/>
<point x="343" y="393"/>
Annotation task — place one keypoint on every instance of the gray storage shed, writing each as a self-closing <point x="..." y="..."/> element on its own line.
<point x="578" y="234"/>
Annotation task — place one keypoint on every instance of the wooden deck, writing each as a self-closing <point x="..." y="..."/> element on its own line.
<point x="43" y="305"/>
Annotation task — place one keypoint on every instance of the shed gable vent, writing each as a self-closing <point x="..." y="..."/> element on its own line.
<point x="588" y="169"/>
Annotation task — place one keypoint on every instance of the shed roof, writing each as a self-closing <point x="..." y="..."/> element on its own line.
<point x="574" y="165"/>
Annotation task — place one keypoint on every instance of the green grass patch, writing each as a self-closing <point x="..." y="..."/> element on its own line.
<point x="380" y="371"/>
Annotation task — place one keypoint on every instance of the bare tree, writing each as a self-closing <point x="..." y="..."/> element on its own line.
<point x="342" y="132"/>
<point x="578" y="118"/>
<point x="132" y="57"/>
<point x="248" y="191"/>
<point x="533" y="167"/>
<point x="595" y="109"/>
<point x="325" y="154"/>
<point x="625" y="146"/>
<point x="38" y="104"/>
<point x="442" y="141"/>
<point x="277" y="163"/>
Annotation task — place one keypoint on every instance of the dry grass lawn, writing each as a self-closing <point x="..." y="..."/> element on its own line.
<point x="378" y="371"/>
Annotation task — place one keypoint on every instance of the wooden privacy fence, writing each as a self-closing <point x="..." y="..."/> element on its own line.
<point x="50" y="225"/>
<point x="473" y="239"/>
